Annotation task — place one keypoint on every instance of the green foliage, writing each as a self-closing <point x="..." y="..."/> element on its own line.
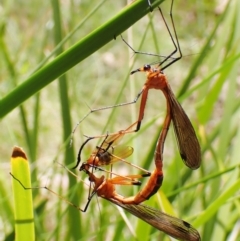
<point x="23" y="206"/>
<point x="206" y="82"/>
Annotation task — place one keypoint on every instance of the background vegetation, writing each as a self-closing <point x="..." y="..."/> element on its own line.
<point x="206" y="82"/>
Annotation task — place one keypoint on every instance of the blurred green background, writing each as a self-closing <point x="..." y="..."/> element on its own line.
<point x="206" y="82"/>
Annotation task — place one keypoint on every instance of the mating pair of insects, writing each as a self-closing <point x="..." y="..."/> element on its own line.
<point x="108" y="153"/>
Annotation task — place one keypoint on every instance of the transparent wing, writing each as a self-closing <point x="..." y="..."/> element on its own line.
<point x="114" y="154"/>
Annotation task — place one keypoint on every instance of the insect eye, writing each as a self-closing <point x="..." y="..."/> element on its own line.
<point x="147" y="67"/>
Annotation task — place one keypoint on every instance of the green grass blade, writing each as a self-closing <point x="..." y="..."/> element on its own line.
<point x="214" y="206"/>
<point x="203" y="180"/>
<point x="73" y="216"/>
<point x="78" y="52"/>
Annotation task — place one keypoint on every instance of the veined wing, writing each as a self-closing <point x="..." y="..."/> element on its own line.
<point x="187" y="141"/>
<point x="170" y="225"/>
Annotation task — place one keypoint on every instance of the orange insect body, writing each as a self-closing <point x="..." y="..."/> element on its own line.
<point x="156" y="177"/>
<point x="152" y="186"/>
<point x="155" y="79"/>
<point x="96" y="160"/>
<point x="187" y="141"/>
<point x="172" y="226"/>
<point x="105" y="188"/>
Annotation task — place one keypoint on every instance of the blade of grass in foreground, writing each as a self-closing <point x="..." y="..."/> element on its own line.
<point x="75" y="54"/>
<point x="24" y="226"/>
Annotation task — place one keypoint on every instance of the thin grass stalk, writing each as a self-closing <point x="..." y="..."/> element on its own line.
<point x="73" y="216"/>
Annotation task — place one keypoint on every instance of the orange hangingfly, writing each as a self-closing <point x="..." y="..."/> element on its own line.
<point x="102" y="157"/>
<point x="172" y="226"/>
<point x="110" y="152"/>
<point x="165" y="59"/>
<point x="105" y="188"/>
<point x="187" y="140"/>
